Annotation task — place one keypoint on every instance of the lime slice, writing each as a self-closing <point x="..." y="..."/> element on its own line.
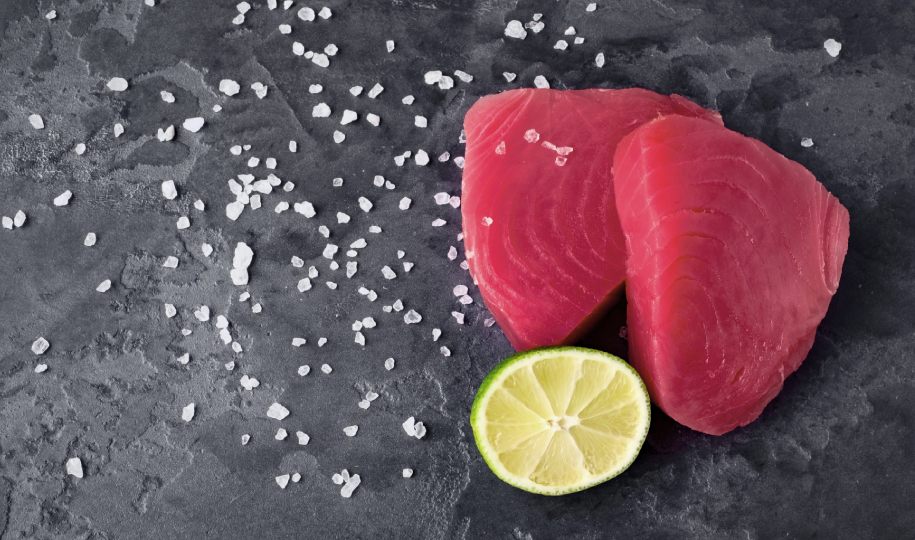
<point x="559" y="420"/>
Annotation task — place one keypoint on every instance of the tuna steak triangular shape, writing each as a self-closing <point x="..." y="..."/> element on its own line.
<point x="541" y="233"/>
<point x="734" y="254"/>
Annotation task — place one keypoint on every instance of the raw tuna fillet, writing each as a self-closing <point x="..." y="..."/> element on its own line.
<point x="734" y="254"/>
<point x="540" y="227"/>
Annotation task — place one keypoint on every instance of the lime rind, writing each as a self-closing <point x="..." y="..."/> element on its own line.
<point x="529" y="358"/>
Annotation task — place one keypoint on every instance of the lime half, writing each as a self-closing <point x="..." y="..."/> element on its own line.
<point x="559" y="420"/>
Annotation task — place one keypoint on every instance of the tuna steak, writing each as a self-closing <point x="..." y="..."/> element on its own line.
<point x="540" y="227"/>
<point x="734" y="254"/>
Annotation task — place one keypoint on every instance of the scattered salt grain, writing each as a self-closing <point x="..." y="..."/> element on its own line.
<point x="407" y="473"/>
<point x="36" y="121"/>
<point x="303" y="370"/>
<point x="302" y="437"/>
<point x="599" y="60"/>
<point x="245" y="439"/>
<point x="281" y="434"/>
<point x="420" y="121"/>
<point x="452" y="253"/>
<point x="187" y="413"/>
<point x="193" y="124"/>
<point x="63" y="199"/>
<point x="104" y="286"/>
<point x="229" y="87"/>
<point x="541" y="82"/>
<point x="339" y="136"/>
<point x="117" y="84"/>
<point x="445" y="351"/>
<point x="304" y="285"/>
<point x="421" y="158"/>
<point x="277" y="411"/>
<point x="321" y="110"/>
<point x="389" y="364"/>
<point x="282" y="480"/>
<point x="561" y="45"/>
<point x="375" y="91"/>
<point x="806" y="142"/>
<point x="167" y="134"/>
<point x="183" y="223"/>
<point x="285" y="29"/>
<point x="458" y="317"/>
<point x="41" y="368"/>
<point x="832" y="47"/>
<point x="373" y="119"/>
<point x="248" y="383"/>
<point x="75" y="467"/>
<point x="40" y="345"/>
<point x="206" y="249"/>
<point x="326" y="369"/>
<point x="118" y="130"/>
<point x="514" y="29"/>
<point x="170" y="262"/>
<point x="412" y="317"/>
<point x="351" y="431"/>
<point x="348" y="117"/>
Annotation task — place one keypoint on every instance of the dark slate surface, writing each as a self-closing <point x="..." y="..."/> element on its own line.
<point x="831" y="457"/>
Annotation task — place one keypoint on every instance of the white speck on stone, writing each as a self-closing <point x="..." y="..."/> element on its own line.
<point x="306" y="14"/>
<point x="183" y="223"/>
<point x="561" y="45"/>
<point x="305" y="208"/>
<point x="37" y="121"/>
<point x="599" y="60"/>
<point x="833" y="47"/>
<point x="438" y="222"/>
<point x="350" y="486"/>
<point x="90" y="239"/>
<point x="245" y="439"/>
<point x="445" y="351"/>
<point x="407" y="100"/>
<point x="277" y="411"/>
<point x="351" y="431"/>
<point x="285" y="29"/>
<point x="40" y="345"/>
<point x="389" y="364"/>
<point x="75" y="467"/>
<point x="375" y="91"/>
<point x="348" y="117"/>
<point x="187" y="413"/>
<point x="514" y="29"/>
<point x="387" y="272"/>
<point x="326" y="369"/>
<point x="321" y="60"/>
<point x="51" y="15"/>
<point x="329" y="251"/>
<point x="339" y="136"/>
<point x="325" y="13"/>
<point x="541" y="82"/>
<point x="118" y="129"/>
<point x="420" y="121"/>
<point x="41" y="368"/>
<point x="229" y="87"/>
<point x="373" y="119"/>
<point x="206" y="249"/>
<point x="248" y="383"/>
<point x="169" y="191"/>
<point x="591" y="7"/>
<point x="170" y="310"/>
<point x="166" y="135"/>
<point x="806" y="142"/>
<point x="302" y="437"/>
<point x="404" y="203"/>
<point x="104" y="286"/>
<point x="432" y="77"/>
<point x="315" y="89"/>
<point x="303" y="370"/>
<point x="63" y="199"/>
<point x="80" y="149"/>
<point x="281" y="434"/>
<point x="282" y="481"/>
<point x="365" y="204"/>
<point x="170" y="262"/>
<point x="412" y="317"/>
<point x="117" y="84"/>
<point x="321" y="110"/>
<point x="421" y="158"/>
<point x="304" y="284"/>
<point x="193" y="124"/>
<point x="293" y="146"/>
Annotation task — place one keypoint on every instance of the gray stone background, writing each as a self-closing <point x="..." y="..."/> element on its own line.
<point x="831" y="457"/>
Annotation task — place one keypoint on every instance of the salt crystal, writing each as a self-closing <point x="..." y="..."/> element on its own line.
<point x="306" y="14"/>
<point x="458" y="317"/>
<point x="245" y="439"/>
<point x="320" y="59"/>
<point x="389" y="364"/>
<point x="167" y="134"/>
<point x="350" y="486"/>
<point x="351" y="431"/>
<point x="806" y="142"/>
<point x="445" y="351"/>
<point x="187" y="413"/>
<point x="51" y="15"/>
<point x="420" y="121"/>
<point x="40" y="345"/>
<point x="63" y="199"/>
<point x="436" y="333"/>
<point x="412" y="317"/>
<point x="285" y="29"/>
<point x="365" y="204"/>
<point x="422" y="158"/>
<point x="277" y="411"/>
<point x="170" y="262"/>
<point x="541" y="82"/>
<point x="281" y="434"/>
<point x="561" y="45"/>
<point x="75" y="467"/>
<point x="304" y="285"/>
<point x="591" y="7"/>
<point x="398" y="306"/>
<point x="373" y="119"/>
<point x="248" y="383"/>
<point x="315" y="89"/>
<point x="303" y="370"/>
<point x="514" y="29"/>
<point x="260" y="89"/>
<point x="305" y="208"/>
<point x="193" y="124"/>
<point x="832" y="47"/>
<point x="229" y="87"/>
<point x="118" y="129"/>
<point x="325" y="13"/>
<point x="339" y="136"/>
<point x="348" y="117"/>
<point x="375" y="91"/>
<point x="282" y="480"/>
<point x="419" y="428"/>
<point x="293" y="146"/>
<point x="599" y="60"/>
<point x="104" y="286"/>
<point x="452" y="253"/>
<point x="117" y="84"/>
<point x="206" y="249"/>
<point x="321" y="110"/>
<point x="183" y="223"/>
<point x="41" y="368"/>
<point x="302" y="437"/>
<point x="326" y="369"/>
<point x="438" y="222"/>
